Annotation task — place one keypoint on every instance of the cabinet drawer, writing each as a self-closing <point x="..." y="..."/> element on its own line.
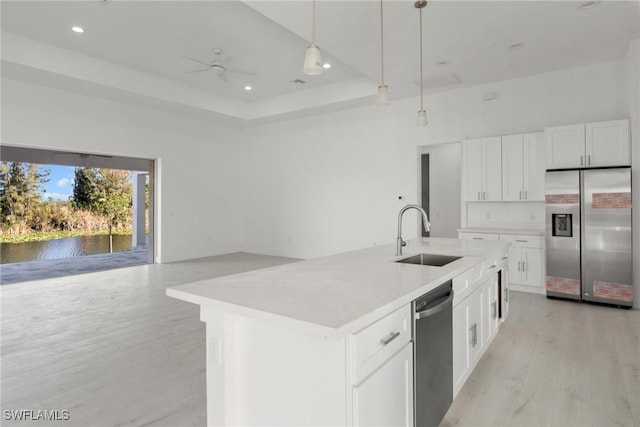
<point x="466" y="282"/>
<point x="490" y="267"/>
<point x="523" y="240"/>
<point x="372" y="346"/>
<point x="478" y="236"/>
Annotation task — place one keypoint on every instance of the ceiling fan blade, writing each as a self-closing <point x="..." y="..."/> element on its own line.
<point x="197" y="71"/>
<point x="196" y="60"/>
<point x="246" y="73"/>
<point x="223" y="77"/>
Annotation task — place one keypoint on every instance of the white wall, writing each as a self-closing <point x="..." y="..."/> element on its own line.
<point x="199" y="203"/>
<point x="329" y="183"/>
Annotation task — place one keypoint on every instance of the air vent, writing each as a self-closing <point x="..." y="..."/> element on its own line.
<point x="298" y="81"/>
<point x="441" y="80"/>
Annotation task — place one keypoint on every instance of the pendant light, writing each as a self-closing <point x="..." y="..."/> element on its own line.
<point x="422" y="114"/>
<point x="312" y="62"/>
<point x="383" y="90"/>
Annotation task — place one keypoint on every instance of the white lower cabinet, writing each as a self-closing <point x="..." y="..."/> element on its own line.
<point x="526" y="270"/>
<point x="385" y="398"/>
<point x="526" y="262"/>
<point x="491" y="302"/>
<point x="467" y="337"/>
<point x="479" y="305"/>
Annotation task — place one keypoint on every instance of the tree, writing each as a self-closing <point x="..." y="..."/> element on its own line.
<point x="20" y="185"/>
<point x="115" y="195"/>
<point x="86" y="189"/>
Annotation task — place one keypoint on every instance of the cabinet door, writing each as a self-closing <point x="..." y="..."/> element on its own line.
<point x="386" y="397"/>
<point x="564" y="146"/>
<point x="533" y="166"/>
<point x="491" y="307"/>
<point x="461" y="345"/>
<point x="477" y="324"/>
<point x="512" y="168"/>
<point x="504" y="281"/>
<point x="515" y="265"/>
<point x="492" y="168"/>
<point x="608" y="143"/>
<point x="472" y="159"/>
<point x="532" y="267"/>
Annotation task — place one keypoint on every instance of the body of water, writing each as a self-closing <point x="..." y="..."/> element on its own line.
<point x="68" y="247"/>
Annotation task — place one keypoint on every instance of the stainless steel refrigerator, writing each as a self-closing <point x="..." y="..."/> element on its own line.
<point x="588" y="235"/>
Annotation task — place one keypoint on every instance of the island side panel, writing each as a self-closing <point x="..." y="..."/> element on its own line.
<point x="262" y="374"/>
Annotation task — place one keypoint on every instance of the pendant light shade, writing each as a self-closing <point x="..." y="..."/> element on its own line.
<point x="383" y="95"/>
<point x="312" y="61"/>
<point x="422" y="114"/>
<point x="422" y="118"/>
<point x="383" y="90"/>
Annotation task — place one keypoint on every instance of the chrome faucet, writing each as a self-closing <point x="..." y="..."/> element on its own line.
<point x="425" y="221"/>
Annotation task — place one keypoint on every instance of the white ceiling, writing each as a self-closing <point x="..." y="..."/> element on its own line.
<point x="146" y="41"/>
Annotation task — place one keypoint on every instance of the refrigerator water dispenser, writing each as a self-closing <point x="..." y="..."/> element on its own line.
<point x="562" y="225"/>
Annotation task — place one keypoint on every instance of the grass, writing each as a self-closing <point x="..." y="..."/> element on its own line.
<point x="37" y="236"/>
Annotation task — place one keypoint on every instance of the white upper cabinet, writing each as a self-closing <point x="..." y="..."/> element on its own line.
<point x="523" y="167"/>
<point x="482" y="160"/>
<point x="588" y="145"/>
<point x="607" y="143"/>
<point x="565" y="146"/>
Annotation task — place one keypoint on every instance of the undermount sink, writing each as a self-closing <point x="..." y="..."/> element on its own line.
<point x="429" y="259"/>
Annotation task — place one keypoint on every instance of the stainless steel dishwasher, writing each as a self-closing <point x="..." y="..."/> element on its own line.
<point x="433" y="355"/>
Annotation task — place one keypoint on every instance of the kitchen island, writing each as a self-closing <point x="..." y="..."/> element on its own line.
<point x="302" y="343"/>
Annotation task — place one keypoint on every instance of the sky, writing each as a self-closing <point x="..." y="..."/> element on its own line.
<point x="60" y="185"/>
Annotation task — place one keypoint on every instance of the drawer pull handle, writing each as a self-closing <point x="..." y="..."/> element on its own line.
<point x="522" y="241"/>
<point x="503" y="258"/>
<point x="478" y="238"/>
<point x="493" y="266"/>
<point x="392" y="336"/>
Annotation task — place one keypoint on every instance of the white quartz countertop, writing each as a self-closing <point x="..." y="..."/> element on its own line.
<point x="527" y="231"/>
<point x="339" y="294"/>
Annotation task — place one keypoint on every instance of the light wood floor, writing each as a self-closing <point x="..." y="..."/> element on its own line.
<point x="112" y="349"/>
<point x="556" y="363"/>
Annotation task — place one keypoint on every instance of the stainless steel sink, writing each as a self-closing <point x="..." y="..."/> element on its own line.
<point x="429" y="259"/>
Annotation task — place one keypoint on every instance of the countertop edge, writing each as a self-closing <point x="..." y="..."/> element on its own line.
<point x="328" y="331"/>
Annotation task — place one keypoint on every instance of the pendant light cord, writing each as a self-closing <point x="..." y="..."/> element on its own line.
<point x="421" y="79"/>
<point x="313" y="23"/>
<point x="381" y="44"/>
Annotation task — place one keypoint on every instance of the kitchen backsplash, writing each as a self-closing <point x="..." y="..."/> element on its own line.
<point x="526" y="215"/>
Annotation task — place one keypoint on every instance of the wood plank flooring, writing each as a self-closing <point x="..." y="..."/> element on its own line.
<point x="556" y="363"/>
<point x="110" y="347"/>
<point x="113" y="350"/>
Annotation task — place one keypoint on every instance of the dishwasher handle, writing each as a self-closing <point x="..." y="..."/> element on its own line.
<point x="433" y="310"/>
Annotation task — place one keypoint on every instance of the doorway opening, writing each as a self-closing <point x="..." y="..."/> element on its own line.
<point x="67" y="213"/>
<point x="439" y="181"/>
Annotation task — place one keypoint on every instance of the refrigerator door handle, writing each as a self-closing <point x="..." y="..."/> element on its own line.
<point x="589" y="160"/>
<point x="581" y="160"/>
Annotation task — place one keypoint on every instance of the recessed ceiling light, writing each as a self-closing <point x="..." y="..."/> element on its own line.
<point x="589" y="5"/>
<point x="77" y="29"/>
<point x="248" y="88"/>
<point x="516" y="46"/>
<point x="326" y="65"/>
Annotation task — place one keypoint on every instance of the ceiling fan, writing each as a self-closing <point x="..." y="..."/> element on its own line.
<point x="216" y="67"/>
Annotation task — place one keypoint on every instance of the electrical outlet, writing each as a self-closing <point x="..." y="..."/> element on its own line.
<point x="487" y="215"/>
<point x="532" y="216"/>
